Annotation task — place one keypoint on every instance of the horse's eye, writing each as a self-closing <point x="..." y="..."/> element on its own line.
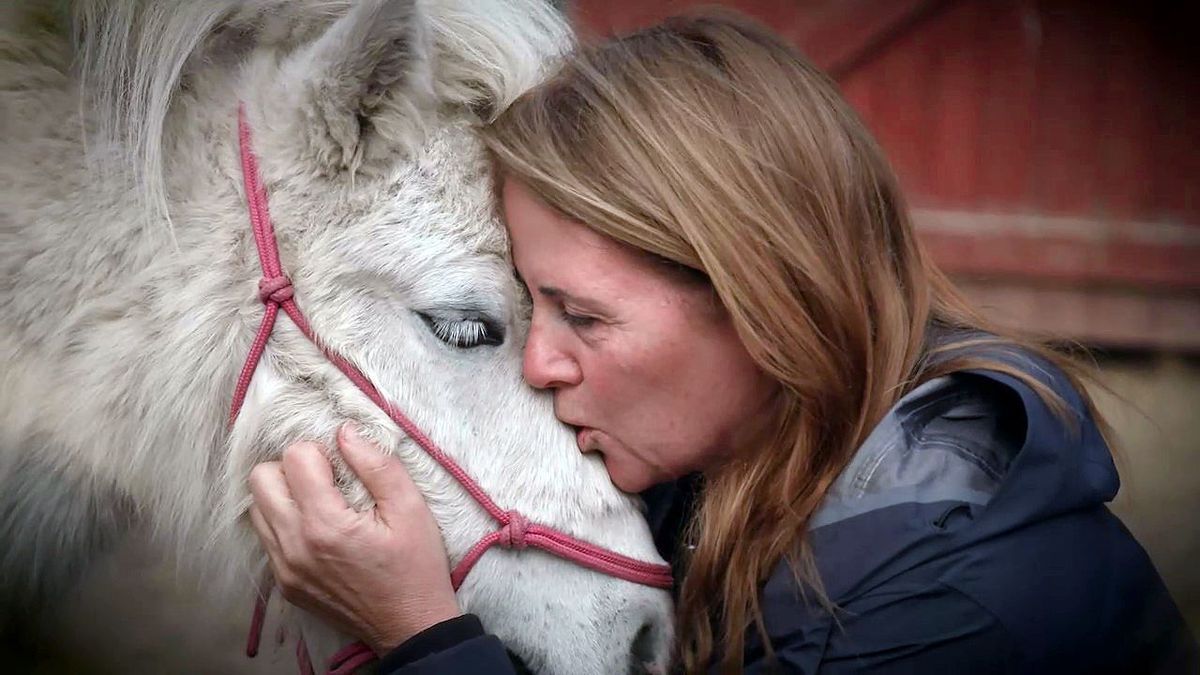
<point x="464" y="333"/>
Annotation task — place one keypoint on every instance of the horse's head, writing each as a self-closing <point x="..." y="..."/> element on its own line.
<point x="381" y="195"/>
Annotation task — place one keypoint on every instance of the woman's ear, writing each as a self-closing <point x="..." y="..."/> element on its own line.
<point x="362" y="88"/>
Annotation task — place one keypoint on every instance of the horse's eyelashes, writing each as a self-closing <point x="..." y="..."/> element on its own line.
<point x="464" y="332"/>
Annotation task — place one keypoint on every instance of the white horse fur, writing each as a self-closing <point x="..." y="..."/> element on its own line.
<point x="128" y="298"/>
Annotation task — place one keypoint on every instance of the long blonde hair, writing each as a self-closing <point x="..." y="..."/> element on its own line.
<point x="709" y="142"/>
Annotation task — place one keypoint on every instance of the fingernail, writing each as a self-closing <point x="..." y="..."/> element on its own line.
<point x="351" y="432"/>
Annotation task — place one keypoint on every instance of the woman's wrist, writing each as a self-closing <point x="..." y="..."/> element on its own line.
<point x="389" y="634"/>
<point x="437" y="638"/>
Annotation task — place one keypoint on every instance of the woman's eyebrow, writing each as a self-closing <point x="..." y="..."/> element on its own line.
<point x="555" y="293"/>
<point x="586" y="304"/>
<point x="552" y="292"/>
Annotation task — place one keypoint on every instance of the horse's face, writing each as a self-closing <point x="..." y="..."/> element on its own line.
<point x="388" y="225"/>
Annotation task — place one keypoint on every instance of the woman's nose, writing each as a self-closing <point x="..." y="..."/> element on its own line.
<point x="546" y="365"/>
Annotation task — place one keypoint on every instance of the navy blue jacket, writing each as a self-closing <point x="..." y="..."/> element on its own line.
<point x="968" y="535"/>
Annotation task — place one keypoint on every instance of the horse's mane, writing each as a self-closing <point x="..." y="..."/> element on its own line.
<point x="133" y="55"/>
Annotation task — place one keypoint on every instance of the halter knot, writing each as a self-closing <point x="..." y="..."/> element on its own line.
<point x="512" y="535"/>
<point x="275" y="289"/>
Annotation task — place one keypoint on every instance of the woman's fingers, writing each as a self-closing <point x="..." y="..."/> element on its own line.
<point x="281" y="571"/>
<point x="264" y="530"/>
<point x="270" y="491"/>
<point x="383" y="476"/>
<point x="381" y="573"/>
<point x="310" y="481"/>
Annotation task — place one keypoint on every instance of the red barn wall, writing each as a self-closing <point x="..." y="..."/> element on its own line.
<point x="1049" y="148"/>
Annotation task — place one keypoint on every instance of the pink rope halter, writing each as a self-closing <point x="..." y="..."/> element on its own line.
<point x="515" y="531"/>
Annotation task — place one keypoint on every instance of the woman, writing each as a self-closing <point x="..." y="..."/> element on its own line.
<point x="850" y="469"/>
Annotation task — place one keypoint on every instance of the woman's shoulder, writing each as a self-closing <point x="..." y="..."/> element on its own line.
<point x="951" y="439"/>
<point x="1010" y="421"/>
<point x="958" y="463"/>
<point x="974" y="517"/>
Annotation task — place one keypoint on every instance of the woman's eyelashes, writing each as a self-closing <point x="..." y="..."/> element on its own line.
<point x="576" y="320"/>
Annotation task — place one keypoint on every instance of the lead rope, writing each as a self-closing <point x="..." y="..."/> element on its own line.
<point x="515" y="532"/>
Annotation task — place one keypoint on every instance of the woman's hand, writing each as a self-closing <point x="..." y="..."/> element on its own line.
<point x="382" y="575"/>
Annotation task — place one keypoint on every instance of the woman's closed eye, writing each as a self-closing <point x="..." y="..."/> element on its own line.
<point x="577" y="320"/>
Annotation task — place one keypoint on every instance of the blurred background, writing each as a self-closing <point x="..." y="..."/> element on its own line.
<point x="1051" y="152"/>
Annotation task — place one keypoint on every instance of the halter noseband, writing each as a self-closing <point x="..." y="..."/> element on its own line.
<point x="515" y="532"/>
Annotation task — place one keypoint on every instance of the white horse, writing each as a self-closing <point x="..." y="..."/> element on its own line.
<point x="128" y="299"/>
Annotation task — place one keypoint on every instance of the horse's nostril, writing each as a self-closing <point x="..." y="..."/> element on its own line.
<point x="642" y="656"/>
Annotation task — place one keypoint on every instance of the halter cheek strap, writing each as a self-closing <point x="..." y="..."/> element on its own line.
<point x="515" y="531"/>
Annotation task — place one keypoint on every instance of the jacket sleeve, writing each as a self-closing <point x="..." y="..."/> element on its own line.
<point x="926" y="629"/>
<point x="457" y="645"/>
<point x="891" y="631"/>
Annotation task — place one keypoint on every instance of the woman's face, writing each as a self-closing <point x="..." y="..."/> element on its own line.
<point x="642" y="362"/>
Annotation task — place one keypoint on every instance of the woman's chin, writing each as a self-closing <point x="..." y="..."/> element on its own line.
<point x="628" y="479"/>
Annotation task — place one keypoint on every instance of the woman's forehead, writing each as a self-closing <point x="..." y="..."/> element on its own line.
<point x="562" y="259"/>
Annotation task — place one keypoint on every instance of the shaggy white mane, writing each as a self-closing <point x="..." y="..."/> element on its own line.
<point x="134" y="56"/>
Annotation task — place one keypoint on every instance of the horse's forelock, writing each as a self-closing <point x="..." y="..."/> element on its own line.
<point x="492" y="51"/>
<point x="133" y="55"/>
